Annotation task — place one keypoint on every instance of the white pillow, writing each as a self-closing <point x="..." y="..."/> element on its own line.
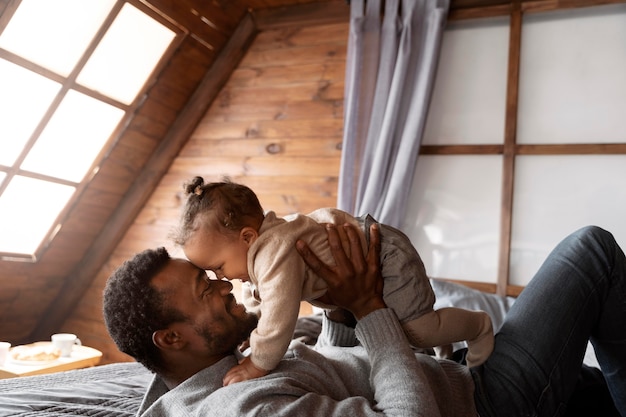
<point x="450" y="294"/>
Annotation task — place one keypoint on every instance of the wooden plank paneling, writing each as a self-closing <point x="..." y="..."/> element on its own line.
<point x="282" y="147"/>
<point x="279" y="110"/>
<point x="298" y="36"/>
<point x="296" y="56"/>
<point x="280" y="99"/>
<point x="261" y="4"/>
<point x="259" y="166"/>
<point x="288" y="128"/>
<point x="311" y="13"/>
<point x="284" y="76"/>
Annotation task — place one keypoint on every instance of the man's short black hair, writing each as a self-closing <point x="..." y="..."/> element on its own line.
<point x="133" y="309"/>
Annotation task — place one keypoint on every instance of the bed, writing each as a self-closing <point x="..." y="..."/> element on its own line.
<point x="117" y="389"/>
<point x="109" y="390"/>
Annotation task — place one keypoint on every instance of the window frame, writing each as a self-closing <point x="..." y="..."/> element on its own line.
<point x="69" y="83"/>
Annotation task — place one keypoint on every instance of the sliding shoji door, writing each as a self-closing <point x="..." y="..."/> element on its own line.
<point x="525" y="140"/>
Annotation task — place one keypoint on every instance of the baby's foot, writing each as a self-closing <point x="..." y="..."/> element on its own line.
<point x="479" y="349"/>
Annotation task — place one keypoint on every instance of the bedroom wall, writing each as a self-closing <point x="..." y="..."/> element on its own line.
<point x="276" y="127"/>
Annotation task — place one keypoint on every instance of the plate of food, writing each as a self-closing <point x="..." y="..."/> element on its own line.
<point x="34" y="354"/>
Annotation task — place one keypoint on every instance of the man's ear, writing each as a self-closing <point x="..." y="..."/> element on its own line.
<point x="248" y="234"/>
<point x="167" y="339"/>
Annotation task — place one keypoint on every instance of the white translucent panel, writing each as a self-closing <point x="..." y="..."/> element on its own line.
<point x="73" y="138"/>
<point x="555" y="195"/>
<point x="126" y="56"/>
<point x="28" y="209"/>
<point x="469" y="98"/>
<point x="24" y="98"/>
<point x="453" y="216"/>
<point x="572" y="86"/>
<point x="54" y="34"/>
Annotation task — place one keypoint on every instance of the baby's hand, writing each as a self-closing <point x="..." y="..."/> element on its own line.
<point x="243" y="372"/>
<point x="243" y="346"/>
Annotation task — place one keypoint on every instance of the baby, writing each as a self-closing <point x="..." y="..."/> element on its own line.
<point x="224" y="229"/>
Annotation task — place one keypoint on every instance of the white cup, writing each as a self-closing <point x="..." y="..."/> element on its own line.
<point x="64" y="342"/>
<point x="4" y="352"/>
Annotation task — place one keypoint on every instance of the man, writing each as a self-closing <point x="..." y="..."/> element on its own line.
<point x="186" y="328"/>
<point x="169" y="316"/>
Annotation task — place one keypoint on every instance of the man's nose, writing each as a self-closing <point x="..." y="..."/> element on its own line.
<point x="225" y="286"/>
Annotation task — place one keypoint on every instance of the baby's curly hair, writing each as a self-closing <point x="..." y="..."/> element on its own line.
<point x="225" y="206"/>
<point x="134" y="310"/>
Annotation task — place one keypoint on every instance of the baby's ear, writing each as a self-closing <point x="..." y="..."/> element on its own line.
<point x="249" y="235"/>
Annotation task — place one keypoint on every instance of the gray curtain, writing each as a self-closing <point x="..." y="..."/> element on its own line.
<point x="390" y="69"/>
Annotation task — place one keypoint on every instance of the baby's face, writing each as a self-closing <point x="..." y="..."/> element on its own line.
<point x="224" y="254"/>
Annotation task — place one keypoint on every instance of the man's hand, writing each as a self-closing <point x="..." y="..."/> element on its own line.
<point x="355" y="283"/>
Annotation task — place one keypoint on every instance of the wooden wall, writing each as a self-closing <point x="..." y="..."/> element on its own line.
<point x="276" y="127"/>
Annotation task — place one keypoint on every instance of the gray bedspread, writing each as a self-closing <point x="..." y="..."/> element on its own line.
<point x="109" y="390"/>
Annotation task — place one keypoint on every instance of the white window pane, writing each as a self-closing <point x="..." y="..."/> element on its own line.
<point x="453" y="217"/>
<point x="72" y="140"/>
<point x="126" y="56"/>
<point x="28" y="209"/>
<point x="469" y="98"/>
<point x="555" y="195"/>
<point x="54" y="34"/>
<point x="24" y="98"/>
<point x="572" y="83"/>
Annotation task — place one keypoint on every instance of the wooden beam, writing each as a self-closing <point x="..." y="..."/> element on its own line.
<point x="572" y="149"/>
<point x="479" y="12"/>
<point x="7" y="10"/>
<point x="550" y="5"/>
<point x="310" y="14"/>
<point x="514" y="290"/>
<point x="461" y="149"/>
<point x="510" y="137"/>
<point x="480" y="286"/>
<point x="79" y="281"/>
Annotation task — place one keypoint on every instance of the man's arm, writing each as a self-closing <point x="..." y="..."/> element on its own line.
<point x="355" y="283"/>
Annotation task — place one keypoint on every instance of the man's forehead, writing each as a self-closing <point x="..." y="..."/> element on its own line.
<point x="177" y="270"/>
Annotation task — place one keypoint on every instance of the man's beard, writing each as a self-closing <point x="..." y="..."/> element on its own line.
<point x="228" y="343"/>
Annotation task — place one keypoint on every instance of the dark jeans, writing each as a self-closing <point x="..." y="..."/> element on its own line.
<point x="591" y="396"/>
<point x="578" y="294"/>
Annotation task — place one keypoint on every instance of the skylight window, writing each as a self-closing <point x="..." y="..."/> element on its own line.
<point x="121" y="63"/>
<point x="67" y="27"/>
<point x="25" y="98"/>
<point x="75" y="134"/>
<point x="64" y="93"/>
<point x="39" y="202"/>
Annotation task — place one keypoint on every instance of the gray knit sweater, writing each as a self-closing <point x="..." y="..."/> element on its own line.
<point x="380" y="377"/>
